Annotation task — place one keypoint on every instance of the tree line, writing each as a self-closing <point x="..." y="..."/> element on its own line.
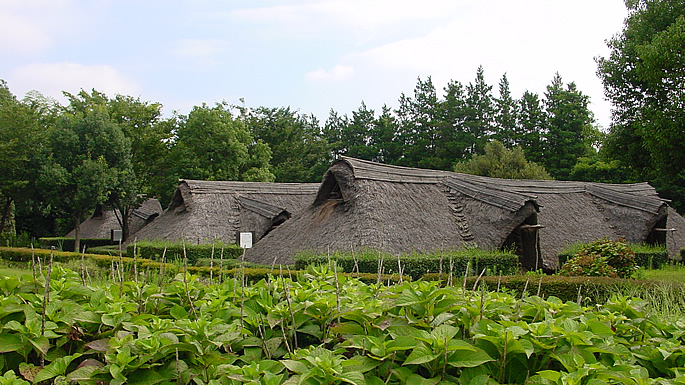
<point x="60" y="161"/>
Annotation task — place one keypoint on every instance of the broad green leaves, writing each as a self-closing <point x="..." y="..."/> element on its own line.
<point x="290" y="332"/>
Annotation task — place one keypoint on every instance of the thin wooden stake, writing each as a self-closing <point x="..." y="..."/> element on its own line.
<point x="83" y="256"/>
<point x="185" y="281"/>
<point x="286" y="289"/>
<point x="580" y="296"/>
<point x="523" y="295"/>
<point x="46" y="300"/>
<point x="475" y="285"/>
<point x="337" y="289"/>
<point x="211" y="265"/>
<point x="135" y="261"/>
<point x="466" y="273"/>
<point x="33" y="268"/>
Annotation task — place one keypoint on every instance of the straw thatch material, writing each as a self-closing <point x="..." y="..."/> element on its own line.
<point x="102" y="222"/>
<point x="205" y="211"/>
<point x="398" y="209"/>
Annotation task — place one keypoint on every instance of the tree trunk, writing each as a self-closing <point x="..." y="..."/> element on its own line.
<point x="5" y="215"/>
<point x="77" y="233"/>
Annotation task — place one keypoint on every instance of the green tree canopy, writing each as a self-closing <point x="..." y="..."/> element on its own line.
<point x="89" y="155"/>
<point x="209" y="144"/>
<point x="299" y="153"/>
<point x="500" y="162"/>
<point x="644" y="77"/>
<point x="20" y="144"/>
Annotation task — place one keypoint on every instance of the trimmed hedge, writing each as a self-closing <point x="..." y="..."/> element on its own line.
<point x="67" y="244"/>
<point x="256" y="274"/>
<point x="416" y="265"/>
<point x="155" y="250"/>
<point x="592" y="289"/>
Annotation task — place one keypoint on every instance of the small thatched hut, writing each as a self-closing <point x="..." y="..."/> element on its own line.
<point x="398" y="209"/>
<point x="205" y="211"/>
<point x="102" y="222"/>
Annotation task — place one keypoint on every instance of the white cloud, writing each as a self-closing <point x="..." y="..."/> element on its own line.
<point x="20" y="35"/>
<point x="198" y="47"/>
<point x="52" y="79"/>
<point x="363" y="19"/>
<point x="335" y="74"/>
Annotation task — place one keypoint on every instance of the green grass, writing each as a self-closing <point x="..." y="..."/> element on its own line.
<point x="667" y="273"/>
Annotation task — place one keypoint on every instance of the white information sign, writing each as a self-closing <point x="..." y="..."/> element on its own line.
<point x="246" y="240"/>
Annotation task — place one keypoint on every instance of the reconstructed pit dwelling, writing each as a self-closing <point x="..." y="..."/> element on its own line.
<point x="363" y="204"/>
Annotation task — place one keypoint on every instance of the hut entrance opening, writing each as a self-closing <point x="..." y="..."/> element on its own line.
<point x="659" y="233"/>
<point x="525" y="241"/>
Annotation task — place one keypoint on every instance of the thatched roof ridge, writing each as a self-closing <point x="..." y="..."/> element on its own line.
<point x="509" y="193"/>
<point x="509" y="200"/>
<point x="233" y="187"/>
<point x="365" y="169"/>
<point x="261" y="208"/>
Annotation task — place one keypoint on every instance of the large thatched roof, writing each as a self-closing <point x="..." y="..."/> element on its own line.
<point x="204" y="211"/>
<point x="100" y="224"/>
<point x="399" y="209"/>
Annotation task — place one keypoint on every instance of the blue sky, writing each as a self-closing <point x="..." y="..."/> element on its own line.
<point x="312" y="55"/>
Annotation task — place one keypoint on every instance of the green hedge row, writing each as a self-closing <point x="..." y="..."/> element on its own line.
<point x="155" y="250"/>
<point x="592" y="290"/>
<point x="416" y="265"/>
<point x="67" y="244"/>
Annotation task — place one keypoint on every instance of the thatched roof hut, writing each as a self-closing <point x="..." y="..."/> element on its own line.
<point x="102" y="222"/>
<point x="398" y="209"/>
<point x="204" y="211"/>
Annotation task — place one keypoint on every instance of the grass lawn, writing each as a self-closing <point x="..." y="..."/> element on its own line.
<point x="671" y="273"/>
<point x="13" y="272"/>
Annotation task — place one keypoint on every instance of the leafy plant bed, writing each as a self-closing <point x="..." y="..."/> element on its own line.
<point x="324" y="329"/>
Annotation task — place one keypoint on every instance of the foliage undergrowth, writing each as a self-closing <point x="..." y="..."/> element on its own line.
<point x="323" y="329"/>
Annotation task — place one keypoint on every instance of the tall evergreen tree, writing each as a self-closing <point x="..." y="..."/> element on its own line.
<point x="531" y="127"/>
<point x="418" y="126"/>
<point x="480" y="107"/>
<point x="506" y="111"/>
<point x="568" y="117"/>
<point x="384" y="139"/>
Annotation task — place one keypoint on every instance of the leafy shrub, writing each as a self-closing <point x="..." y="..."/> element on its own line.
<point x="647" y="256"/>
<point x="154" y="250"/>
<point x="67" y="244"/>
<point x="602" y="258"/>
<point x="416" y="265"/>
<point x="16" y="240"/>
